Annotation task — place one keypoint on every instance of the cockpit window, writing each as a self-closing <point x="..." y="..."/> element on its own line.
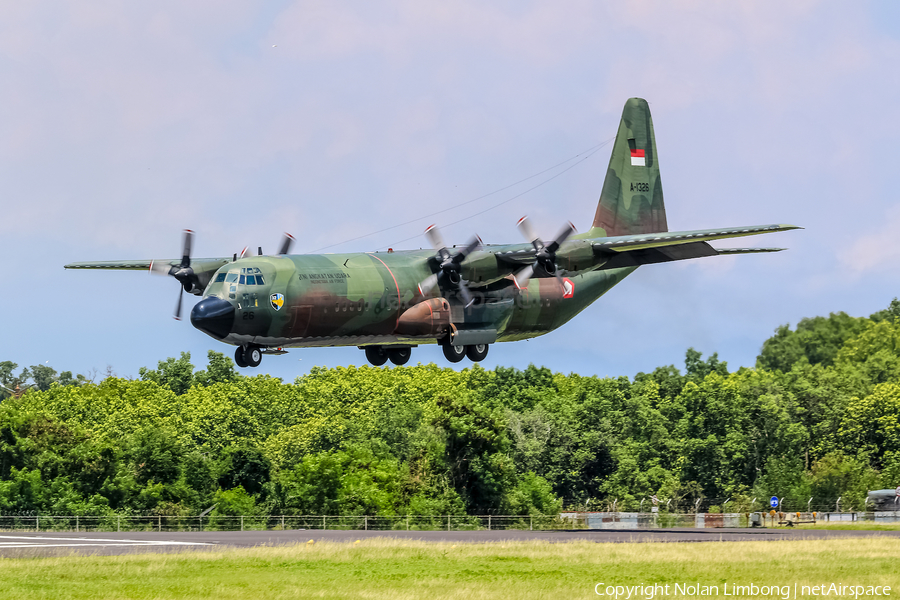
<point x="248" y="276"/>
<point x="220" y="278"/>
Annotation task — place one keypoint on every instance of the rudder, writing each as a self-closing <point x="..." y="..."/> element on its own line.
<point x="631" y="200"/>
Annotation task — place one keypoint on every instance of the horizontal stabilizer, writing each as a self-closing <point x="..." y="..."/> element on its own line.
<point x="628" y="243"/>
<point x="723" y="251"/>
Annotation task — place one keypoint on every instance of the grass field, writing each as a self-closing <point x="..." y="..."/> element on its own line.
<point x="399" y="570"/>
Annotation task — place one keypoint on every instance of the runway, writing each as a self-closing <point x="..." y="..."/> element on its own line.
<point x="22" y="544"/>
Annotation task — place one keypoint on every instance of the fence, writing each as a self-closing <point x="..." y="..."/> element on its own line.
<point x="286" y="522"/>
<point x="664" y="520"/>
<point x="567" y="520"/>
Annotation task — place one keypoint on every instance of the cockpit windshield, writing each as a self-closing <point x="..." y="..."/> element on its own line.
<point x="243" y="278"/>
<point x="246" y="276"/>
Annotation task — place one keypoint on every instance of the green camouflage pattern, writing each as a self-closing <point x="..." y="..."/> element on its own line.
<point x="631" y="200"/>
<point x="375" y="298"/>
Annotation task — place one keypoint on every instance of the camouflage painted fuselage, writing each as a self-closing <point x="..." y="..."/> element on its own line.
<point x="373" y="298"/>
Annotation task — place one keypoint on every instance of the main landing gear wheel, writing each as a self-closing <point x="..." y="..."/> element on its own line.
<point x="477" y="352"/>
<point x="239" y="357"/>
<point x="399" y="356"/>
<point x="454" y="353"/>
<point x="376" y="355"/>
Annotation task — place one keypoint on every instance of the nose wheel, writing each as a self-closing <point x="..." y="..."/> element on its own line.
<point x="247" y="356"/>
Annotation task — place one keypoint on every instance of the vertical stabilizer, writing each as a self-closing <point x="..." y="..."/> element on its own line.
<point x="632" y="200"/>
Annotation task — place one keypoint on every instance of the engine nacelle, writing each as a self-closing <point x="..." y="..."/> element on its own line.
<point x="429" y="318"/>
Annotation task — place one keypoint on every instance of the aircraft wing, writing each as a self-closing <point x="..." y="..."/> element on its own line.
<point x="199" y="265"/>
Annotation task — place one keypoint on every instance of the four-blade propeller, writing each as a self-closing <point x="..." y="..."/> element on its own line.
<point x="545" y="254"/>
<point x="182" y="272"/>
<point x="449" y="265"/>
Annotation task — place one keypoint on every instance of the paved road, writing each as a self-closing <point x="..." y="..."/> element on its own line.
<point x="55" y="543"/>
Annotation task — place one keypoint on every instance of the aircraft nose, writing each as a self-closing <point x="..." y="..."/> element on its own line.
<point x="214" y="316"/>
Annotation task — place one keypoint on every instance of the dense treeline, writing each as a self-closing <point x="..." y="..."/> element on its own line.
<point x="817" y="418"/>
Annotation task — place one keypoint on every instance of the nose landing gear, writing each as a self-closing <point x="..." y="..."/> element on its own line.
<point x="247" y="356"/>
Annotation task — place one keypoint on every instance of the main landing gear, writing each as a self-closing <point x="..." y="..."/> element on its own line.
<point x="247" y="356"/>
<point x="378" y="355"/>
<point x="475" y="352"/>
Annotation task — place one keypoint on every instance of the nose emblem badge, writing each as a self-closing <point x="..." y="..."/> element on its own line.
<point x="277" y="301"/>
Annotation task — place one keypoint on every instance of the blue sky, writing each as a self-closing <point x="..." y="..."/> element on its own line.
<point x="123" y="123"/>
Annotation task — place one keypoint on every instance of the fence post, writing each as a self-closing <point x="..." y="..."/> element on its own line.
<point x="407" y="522"/>
<point x="118" y="523"/>
<point x="76" y="523"/>
<point x="365" y="522"/>
<point x="489" y="522"/>
<point x="531" y="523"/>
<point x="37" y="523"/>
<point x="282" y="522"/>
<point x="159" y="523"/>
<point x="448" y="522"/>
<point x="323" y="522"/>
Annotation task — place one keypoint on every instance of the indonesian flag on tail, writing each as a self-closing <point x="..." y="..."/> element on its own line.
<point x="637" y="158"/>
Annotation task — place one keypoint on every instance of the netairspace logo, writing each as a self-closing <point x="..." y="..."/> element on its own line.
<point x="786" y="592"/>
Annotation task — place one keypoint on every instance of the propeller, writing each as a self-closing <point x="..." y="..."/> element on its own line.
<point x="545" y="254"/>
<point x="286" y="243"/>
<point x="182" y="272"/>
<point x="449" y="265"/>
<point x="285" y="247"/>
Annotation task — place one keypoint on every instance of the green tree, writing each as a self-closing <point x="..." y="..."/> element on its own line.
<point x="817" y="340"/>
<point x="476" y="451"/>
<point x="219" y="370"/>
<point x="235" y="502"/>
<point x="532" y="495"/>
<point x="177" y="374"/>
<point x="872" y="424"/>
<point x="245" y="467"/>
<point x="697" y="369"/>
<point x="43" y="376"/>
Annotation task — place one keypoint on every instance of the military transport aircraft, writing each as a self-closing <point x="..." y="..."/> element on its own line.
<point x="462" y="298"/>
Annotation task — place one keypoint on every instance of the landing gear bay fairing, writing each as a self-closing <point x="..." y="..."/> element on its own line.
<point x="463" y="299"/>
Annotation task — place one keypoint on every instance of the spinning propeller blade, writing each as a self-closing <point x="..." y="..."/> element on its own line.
<point x="545" y="255"/>
<point x="449" y="265"/>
